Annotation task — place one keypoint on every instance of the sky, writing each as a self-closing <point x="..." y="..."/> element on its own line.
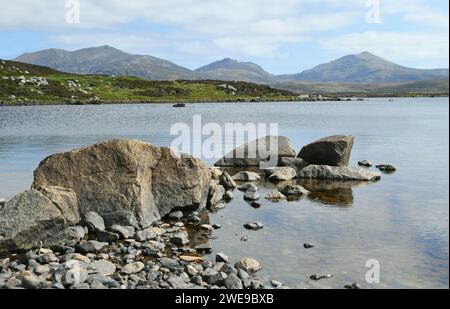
<point x="283" y="36"/>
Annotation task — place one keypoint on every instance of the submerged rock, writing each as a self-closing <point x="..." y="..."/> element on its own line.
<point x="275" y="196"/>
<point x="118" y="175"/>
<point x="387" y="168"/>
<point x="333" y="151"/>
<point x="249" y="265"/>
<point x="255" y="226"/>
<point x="252" y="193"/>
<point x="365" y="163"/>
<point x="294" y="191"/>
<point x="282" y="174"/>
<point x="338" y="173"/>
<point x="258" y="151"/>
<point x="227" y="181"/>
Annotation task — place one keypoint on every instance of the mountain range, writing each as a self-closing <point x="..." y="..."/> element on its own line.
<point x="364" y="68"/>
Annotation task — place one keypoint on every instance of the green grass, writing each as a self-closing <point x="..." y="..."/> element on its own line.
<point x="106" y="89"/>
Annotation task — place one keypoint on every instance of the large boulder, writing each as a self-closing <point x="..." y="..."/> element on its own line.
<point x="263" y="150"/>
<point x="333" y="151"/>
<point x="326" y="172"/>
<point x="66" y="200"/>
<point x="132" y="177"/>
<point x="30" y="220"/>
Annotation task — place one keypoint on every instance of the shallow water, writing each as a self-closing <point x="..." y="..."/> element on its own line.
<point x="401" y="221"/>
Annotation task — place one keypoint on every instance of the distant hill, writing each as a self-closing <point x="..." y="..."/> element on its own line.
<point x="229" y="69"/>
<point x="365" y="68"/>
<point x="107" y="60"/>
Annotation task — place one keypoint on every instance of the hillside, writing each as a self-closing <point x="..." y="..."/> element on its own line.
<point x="25" y="84"/>
<point x="229" y="69"/>
<point x="365" y="68"/>
<point x="107" y="60"/>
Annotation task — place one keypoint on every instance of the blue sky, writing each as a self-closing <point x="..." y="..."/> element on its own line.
<point x="284" y="36"/>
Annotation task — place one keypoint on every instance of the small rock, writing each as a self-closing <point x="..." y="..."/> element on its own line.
<point x="275" y="196"/>
<point x="180" y="239"/>
<point x="206" y="227"/>
<point x="276" y="284"/>
<point x="221" y="257"/>
<point x="29" y="281"/>
<point x="308" y="246"/>
<point x="42" y="269"/>
<point x="191" y="270"/>
<point x="2" y="202"/>
<point x="365" y="163"/>
<point x="108" y="237"/>
<point x="317" y="277"/>
<point x="177" y="215"/>
<point x="254" y="226"/>
<point x="252" y="193"/>
<point x="212" y="276"/>
<point x="284" y="173"/>
<point x="244" y="238"/>
<point x="80" y="257"/>
<point x="232" y="282"/>
<point x="124" y="232"/>
<point x="191" y="259"/>
<point x="205" y="248"/>
<point x="387" y="168"/>
<point x="228" y="196"/>
<point x="217" y="226"/>
<point x="133" y="268"/>
<point x="227" y="182"/>
<point x="216" y="173"/>
<point x="94" y="222"/>
<point x="243" y="274"/>
<point x="47" y="258"/>
<point x="78" y="232"/>
<point x="294" y="191"/>
<point x="250" y="265"/>
<point x="245" y="186"/>
<point x="353" y="286"/>
<point x="90" y="246"/>
<point x="177" y="282"/>
<point x="102" y="267"/>
<point x="256" y="205"/>
<point x="145" y="235"/>
<point x="246" y="176"/>
<point x="197" y="280"/>
<point x="4" y="264"/>
<point x="13" y="283"/>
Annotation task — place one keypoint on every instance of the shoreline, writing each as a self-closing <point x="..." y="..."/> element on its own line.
<point x="343" y="99"/>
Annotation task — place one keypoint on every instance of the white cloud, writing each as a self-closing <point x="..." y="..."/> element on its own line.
<point x="416" y="49"/>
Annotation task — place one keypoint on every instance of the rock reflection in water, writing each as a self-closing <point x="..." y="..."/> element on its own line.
<point x="335" y="193"/>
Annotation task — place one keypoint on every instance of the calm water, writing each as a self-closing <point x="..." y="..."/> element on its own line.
<point x="401" y="221"/>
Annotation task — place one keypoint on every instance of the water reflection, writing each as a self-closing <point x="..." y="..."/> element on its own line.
<point x="334" y="193"/>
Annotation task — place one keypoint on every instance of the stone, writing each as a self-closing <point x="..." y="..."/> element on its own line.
<point x="212" y="276"/>
<point x="94" y="222"/>
<point x="232" y="282"/>
<point x="171" y="264"/>
<point x="276" y="284"/>
<point x="282" y="174"/>
<point x="353" y="286"/>
<point x="191" y="259"/>
<point x="308" y="246"/>
<point x="177" y="283"/>
<point x="66" y="200"/>
<point x="254" y="226"/>
<point x="333" y="151"/>
<point x="47" y="258"/>
<point x="317" y="277"/>
<point x="102" y="267"/>
<point x="42" y="269"/>
<point x="2" y="202"/>
<point x="216" y="173"/>
<point x="4" y="264"/>
<point x="221" y="257"/>
<point x="387" y="168"/>
<point x="13" y="283"/>
<point x="78" y="232"/>
<point x="30" y="281"/>
<point x="294" y="191"/>
<point x="249" y="265"/>
<point x="242" y="274"/>
<point x="344" y="173"/>
<point x="252" y="193"/>
<point x="204" y="248"/>
<point x="206" y="227"/>
<point x="145" y="235"/>
<point x="275" y="196"/>
<point x="30" y="220"/>
<point x="227" y="182"/>
<point x="263" y="150"/>
<point x="365" y="163"/>
<point x="124" y="232"/>
<point x="216" y="194"/>
<point x="80" y="257"/>
<point x="120" y="217"/>
<point x="228" y="196"/>
<point x="296" y="163"/>
<point x="108" y="237"/>
<point x="91" y="246"/>
<point x="180" y="239"/>
<point x="133" y="268"/>
<point x="246" y="176"/>
<point x="176" y="215"/>
<point x="197" y="280"/>
<point x="134" y="176"/>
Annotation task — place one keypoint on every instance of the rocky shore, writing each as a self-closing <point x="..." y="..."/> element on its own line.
<point x="126" y="214"/>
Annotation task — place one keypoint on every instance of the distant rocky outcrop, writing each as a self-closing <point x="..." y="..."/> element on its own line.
<point x="145" y="181"/>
